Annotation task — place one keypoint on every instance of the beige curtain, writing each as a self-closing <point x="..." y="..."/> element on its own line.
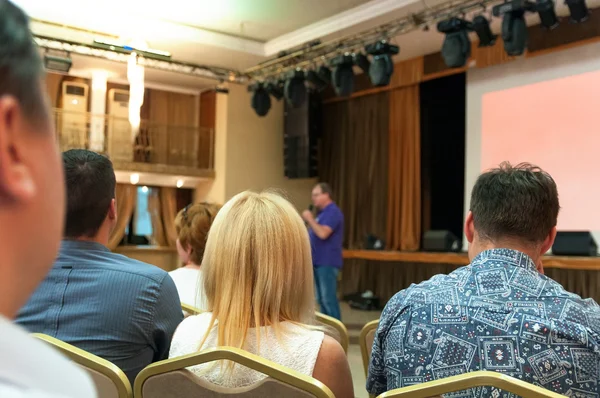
<point x="154" y="208"/>
<point x="353" y="159"/>
<point x="126" y="200"/>
<point x="404" y="195"/>
<point x="168" y="203"/>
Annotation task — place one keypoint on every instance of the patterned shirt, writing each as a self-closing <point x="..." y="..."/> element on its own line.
<point x="497" y="314"/>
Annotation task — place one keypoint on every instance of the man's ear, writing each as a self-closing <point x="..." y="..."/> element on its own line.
<point x="16" y="179"/>
<point x="548" y="242"/>
<point x="112" y="210"/>
<point x="469" y="227"/>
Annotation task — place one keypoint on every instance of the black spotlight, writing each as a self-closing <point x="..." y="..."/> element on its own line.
<point x="481" y="26"/>
<point x="456" y="49"/>
<point x="275" y="88"/>
<point x="514" y="29"/>
<point x="343" y="75"/>
<point x="578" y="9"/>
<point x="294" y="89"/>
<point x="261" y="101"/>
<point x="382" y="65"/>
<point x="361" y="61"/>
<point x="315" y="81"/>
<point x="324" y="73"/>
<point x="545" y="9"/>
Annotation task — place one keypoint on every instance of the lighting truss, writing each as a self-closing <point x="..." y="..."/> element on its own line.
<point x="317" y="54"/>
<point x="120" y="55"/>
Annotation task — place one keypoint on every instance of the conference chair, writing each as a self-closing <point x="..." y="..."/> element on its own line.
<point x="110" y="381"/>
<point x="170" y="379"/>
<point x="367" y="335"/>
<point x="334" y="328"/>
<point x="189" y="310"/>
<point x="485" y="379"/>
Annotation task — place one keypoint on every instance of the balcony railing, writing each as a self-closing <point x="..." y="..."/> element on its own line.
<point x="170" y="147"/>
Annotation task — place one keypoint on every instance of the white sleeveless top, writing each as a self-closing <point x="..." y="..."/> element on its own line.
<point x="298" y="350"/>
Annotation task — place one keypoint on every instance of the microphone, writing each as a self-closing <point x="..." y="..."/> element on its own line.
<point x="311" y="207"/>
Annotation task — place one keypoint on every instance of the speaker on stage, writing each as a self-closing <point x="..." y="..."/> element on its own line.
<point x="440" y="241"/>
<point x="574" y="243"/>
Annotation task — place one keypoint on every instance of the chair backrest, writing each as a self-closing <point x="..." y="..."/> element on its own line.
<point x="497" y="381"/>
<point x="334" y="328"/>
<point x="189" y="310"/>
<point x="170" y="379"/>
<point x="367" y="335"/>
<point x="110" y="381"/>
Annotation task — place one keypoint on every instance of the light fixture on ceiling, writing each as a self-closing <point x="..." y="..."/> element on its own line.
<point x="315" y="81"/>
<point x="456" y="49"/>
<point x="179" y="183"/>
<point x="362" y="61"/>
<point x="58" y="61"/>
<point x="135" y="76"/>
<point x="275" y="88"/>
<point x="260" y="101"/>
<point x="294" y="89"/>
<point x="514" y="28"/>
<point x="545" y="9"/>
<point x="481" y="26"/>
<point x="324" y="73"/>
<point x="343" y="75"/>
<point x="145" y="189"/>
<point x="382" y="65"/>
<point x="579" y="10"/>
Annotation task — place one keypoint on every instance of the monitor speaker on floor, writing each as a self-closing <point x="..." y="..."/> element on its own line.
<point x="440" y="241"/>
<point x="574" y="243"/>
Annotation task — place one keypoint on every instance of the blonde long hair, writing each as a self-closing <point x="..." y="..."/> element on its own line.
<point x="257" y="268"/>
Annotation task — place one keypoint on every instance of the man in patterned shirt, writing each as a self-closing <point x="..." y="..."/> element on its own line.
<point x="500" y="313"/>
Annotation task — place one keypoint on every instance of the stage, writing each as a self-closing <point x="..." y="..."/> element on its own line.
<point x="387" y="272"/>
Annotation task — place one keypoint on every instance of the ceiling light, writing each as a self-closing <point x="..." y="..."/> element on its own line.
<point x="481" y="26"/>
<point x="343" y="75"/>
<point x="134" y="178"/>
<point x="382" y="65"/>
<point x="456" y="49"/>
<point x="578" y="9"/>
<point x="315" y="81"/>
<point x="362" y="61"/>
<point x="58" y="63"/>
<point x="275" y="88"/>
<point x="144" y="189"/>
<point x="261" y="101"/>
<point x="179" y="183"/>
<point x="324" y="73"/>
<point x="294" y="89"/>
<point x="514" y="29"/>
<point x="545" y="9"/>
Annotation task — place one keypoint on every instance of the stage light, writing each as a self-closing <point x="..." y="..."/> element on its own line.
<point x="578" y="9"/>
<point x="261" y="101"/>
<point x="275" y="88"/>
<point x="343" y="75"/>
<point x="456" y="49"/>
<point x="382" y="65"/>
<point x="361" y="61"/>
<point x="545" y="9"/>
<point x="315" y="81"/>
<point x="514" y="29"/>
<point x="324" y="73"/>
<point x="294" y="89"/>
<point x="481" y="26"/>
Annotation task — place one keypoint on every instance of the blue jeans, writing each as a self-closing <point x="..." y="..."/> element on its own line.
<point x="326" y="290"/>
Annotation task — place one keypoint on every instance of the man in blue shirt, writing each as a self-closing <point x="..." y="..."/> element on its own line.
<point x="326" y="238"/>
<point x="120" y="309"/>
<point x="500" y="313"/>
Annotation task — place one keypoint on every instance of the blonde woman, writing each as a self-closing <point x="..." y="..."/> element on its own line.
<point x="258" y="281"/>
<point x="192" y="225"/>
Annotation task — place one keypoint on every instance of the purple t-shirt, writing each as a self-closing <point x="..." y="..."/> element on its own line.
<point x="328" y="252"/>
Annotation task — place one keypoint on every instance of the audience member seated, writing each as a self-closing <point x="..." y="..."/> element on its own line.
<point x="259" y="286"/>
<point x="120" y="309"/>
<point x="192" y="225"/>
<point x="31" y="216"/>
<point x="500" y="313"/>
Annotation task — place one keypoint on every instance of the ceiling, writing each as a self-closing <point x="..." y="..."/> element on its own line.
<point x="234" y="34"/>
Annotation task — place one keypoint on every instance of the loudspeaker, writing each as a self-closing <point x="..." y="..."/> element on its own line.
<point x="440" y="241"/>
<point x="574" y="243"/>
<point x="301" y="135"/>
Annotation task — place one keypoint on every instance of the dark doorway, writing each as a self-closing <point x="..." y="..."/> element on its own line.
<point x="443" y="108"/>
